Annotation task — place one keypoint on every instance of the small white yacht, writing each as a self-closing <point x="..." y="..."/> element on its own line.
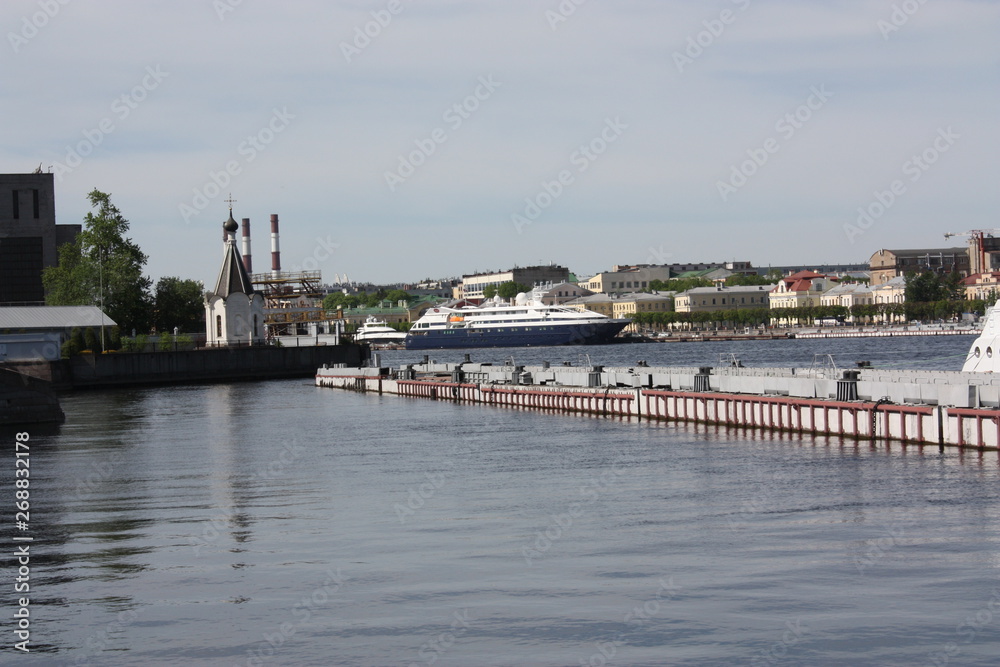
<point x="378" y="332"/>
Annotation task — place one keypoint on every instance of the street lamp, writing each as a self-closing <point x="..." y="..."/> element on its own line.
<point x="100" y="280"/>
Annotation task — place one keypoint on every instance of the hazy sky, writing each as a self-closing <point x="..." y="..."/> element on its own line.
<point x="399" y="140"/>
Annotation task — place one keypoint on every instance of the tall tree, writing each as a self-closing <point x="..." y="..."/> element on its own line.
<point x="180" y="304"/>
<point x="103" y="266"/>
<point x="510" y="289"/>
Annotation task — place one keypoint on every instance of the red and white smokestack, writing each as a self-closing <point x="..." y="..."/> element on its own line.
<point x="275" y="253"/>
<point x="247" y="264"/>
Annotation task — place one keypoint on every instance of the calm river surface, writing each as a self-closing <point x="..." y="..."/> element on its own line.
<point x="275" y="523"/>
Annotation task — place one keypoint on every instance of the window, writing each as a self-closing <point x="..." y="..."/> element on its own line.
<point x="16" y="212"/>
<point x="218" y="326"/>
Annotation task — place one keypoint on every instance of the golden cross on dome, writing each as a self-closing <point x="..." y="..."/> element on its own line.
<point x="230" y="201"/>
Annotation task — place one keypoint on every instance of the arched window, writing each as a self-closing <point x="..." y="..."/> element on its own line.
<point x="218" y="326"/>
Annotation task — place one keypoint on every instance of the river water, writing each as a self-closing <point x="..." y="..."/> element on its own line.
<point x="275" y="523"/>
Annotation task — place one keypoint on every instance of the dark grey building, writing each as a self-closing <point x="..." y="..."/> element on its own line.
<point x="29" y="235"/>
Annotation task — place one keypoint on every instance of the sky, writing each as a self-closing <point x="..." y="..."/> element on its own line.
<point x="400" y="140"/>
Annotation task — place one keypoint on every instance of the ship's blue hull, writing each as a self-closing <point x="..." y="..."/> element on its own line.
<point x="515" y="336"/>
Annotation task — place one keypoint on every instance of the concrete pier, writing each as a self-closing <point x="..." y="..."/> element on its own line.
<point x="928" y="407"/>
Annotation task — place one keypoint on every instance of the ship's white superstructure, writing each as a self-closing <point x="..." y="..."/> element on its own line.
<point x="984" y="354"/>
<point x="525" y="322"/>
<point x="378" y="332"/>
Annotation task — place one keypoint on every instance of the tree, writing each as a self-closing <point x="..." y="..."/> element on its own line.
<point x="510" y="289"/>
<point x="102" y="268"/>
<point x="739" y="279"/>
<point x="928" y="286"/>
<point x="179" y="303"/>
<point x="489" y="291"/>
<point x="397" y="295"/>
<point x="678" y="284"/>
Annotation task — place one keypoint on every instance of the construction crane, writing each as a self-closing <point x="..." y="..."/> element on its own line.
<point x="976" y="237"/>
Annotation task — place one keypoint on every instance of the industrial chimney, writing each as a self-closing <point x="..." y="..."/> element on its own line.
<point x="275" y="253"/>
<point x="247" y="263"/>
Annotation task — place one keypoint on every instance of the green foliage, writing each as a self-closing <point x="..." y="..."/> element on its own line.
<point x="928" y="287"/>
<point x="678" y="284"/>
<point x="737" y="280"/>
<point x="179" y="303"/>
<point x="397" y="295"/>
<point x="71" y="347"/>
<point x="76" y="336"/>
<point x="137" y="344"/>
<point x="102" y="266"/>
<point x="336" y="300"/>
<point x="184" y="342"/>
<point x="507" y="290"/>
<point x="166" y="343"/>
<point x="510" y="289"/>
<point x="91" y="339"/>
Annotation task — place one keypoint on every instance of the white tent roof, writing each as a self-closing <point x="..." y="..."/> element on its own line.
<point x="53" y="317"/>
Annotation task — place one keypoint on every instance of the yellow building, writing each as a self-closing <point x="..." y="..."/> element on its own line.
<point x="984" y="286"/>
<point x="598" y="303"/>
<point x="801" y="289"/>
<point x="702" y="299"/>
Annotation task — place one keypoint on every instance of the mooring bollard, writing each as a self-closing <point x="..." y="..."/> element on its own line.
<point x="847" y="387"/>
<point x="701" y="379"/>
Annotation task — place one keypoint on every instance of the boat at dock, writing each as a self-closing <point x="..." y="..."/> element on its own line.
<point x="527" y="322"/>
<point x="378" y="332"/>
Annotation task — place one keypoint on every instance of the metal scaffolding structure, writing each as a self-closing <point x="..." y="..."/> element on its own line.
<point x="288" y="299"/>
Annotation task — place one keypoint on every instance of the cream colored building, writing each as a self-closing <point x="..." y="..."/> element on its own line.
<point x="702" y="299"/>
<point x="802" y="289"/>
<point x="847" y="295"/>
<point x="622" y="282"/>
<point x="599" y="303"/>
<point x="558" y="294"/>
<point x="627" y="306"/>
<point x="642" y="302"/>
<point x="893" y="291"/>
<point x="984" y="286"/>
<point x="472" y="286"/>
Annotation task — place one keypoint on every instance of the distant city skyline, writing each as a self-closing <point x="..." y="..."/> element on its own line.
<point x="399" y="141"/>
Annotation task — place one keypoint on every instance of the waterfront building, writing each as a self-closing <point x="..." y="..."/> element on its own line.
<point x="598" y="303"/>
<point x="848" y="295"/>
<point x="560" y="293"/>
<point x="627" y="305"/>
<point x="984" y="286"/>
<point x="623" y="279"/>
<point x="888" y="264"/>
<point x="800" y="290"/>
<point x="706" y="299"/>
<point x="626" y="279"/>
<point x="234" y="310"/>
<point x="472" y="285"/>
<point x="29" y="236"/>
